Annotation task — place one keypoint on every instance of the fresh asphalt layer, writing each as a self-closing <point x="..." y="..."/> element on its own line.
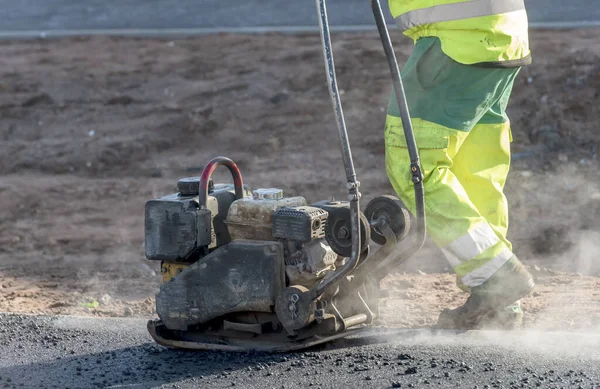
<point x="47" y="18"/>
<point x="70" y="352"/>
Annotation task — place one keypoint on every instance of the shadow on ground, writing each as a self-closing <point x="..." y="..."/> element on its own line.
<point x="148" y="365"/>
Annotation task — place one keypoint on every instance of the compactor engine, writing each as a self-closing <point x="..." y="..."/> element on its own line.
<point x="253" y="269"/>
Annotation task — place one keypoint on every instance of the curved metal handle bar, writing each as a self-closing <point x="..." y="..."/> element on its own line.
<point x="415" y="166"/>
<point x="238" y="182"/>
<point x="352" y="183"/>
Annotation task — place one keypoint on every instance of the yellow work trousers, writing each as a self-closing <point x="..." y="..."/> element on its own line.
<point x="463" y="136"/>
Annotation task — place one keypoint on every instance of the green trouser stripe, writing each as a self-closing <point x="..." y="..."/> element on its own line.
<point x="443" y="91"/>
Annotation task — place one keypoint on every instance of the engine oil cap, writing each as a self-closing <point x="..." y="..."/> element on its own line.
<point x="189" y="186"/>
<point x="268" y="194"/>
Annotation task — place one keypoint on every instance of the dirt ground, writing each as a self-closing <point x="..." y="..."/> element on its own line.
<point x="92" y="128"/>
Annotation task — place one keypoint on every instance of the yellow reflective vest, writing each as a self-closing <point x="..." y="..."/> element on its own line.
<point x="484" y="32"/>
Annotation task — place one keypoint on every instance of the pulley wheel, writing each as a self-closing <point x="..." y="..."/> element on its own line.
<point x="338" y="231"/>
<point x="395" y="213"/>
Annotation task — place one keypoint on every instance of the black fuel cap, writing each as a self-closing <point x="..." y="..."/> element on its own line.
<point x="188" y="186"/>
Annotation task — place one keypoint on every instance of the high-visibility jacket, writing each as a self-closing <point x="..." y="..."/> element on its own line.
<point x="483" y="32"/>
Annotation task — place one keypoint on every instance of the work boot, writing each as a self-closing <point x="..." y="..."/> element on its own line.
<point x="508" y="318"/>
<point x="491" y="300"/>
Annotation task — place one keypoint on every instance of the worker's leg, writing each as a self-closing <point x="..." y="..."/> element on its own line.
<point x="446" y="100"/>
<point x="470" y="244"/>
<point x="483" y="178"/>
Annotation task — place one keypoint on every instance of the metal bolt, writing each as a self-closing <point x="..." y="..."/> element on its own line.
<point x="319" y="315"/>
<point x="354" y="197"/>
<point x="343" y="233"/>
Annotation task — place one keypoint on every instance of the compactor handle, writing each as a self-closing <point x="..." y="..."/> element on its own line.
<point x="238" y="182"/>
<point x="352" y="183"/>
<point x="415" y="165"/>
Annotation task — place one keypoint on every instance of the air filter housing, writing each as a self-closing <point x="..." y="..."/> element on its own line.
<point x="299" y="223"/>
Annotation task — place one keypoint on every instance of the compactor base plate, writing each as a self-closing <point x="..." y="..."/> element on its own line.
<point x="265" y="343"/>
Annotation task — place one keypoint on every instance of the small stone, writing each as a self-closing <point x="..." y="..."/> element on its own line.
<point x="128" y="312"/>
<point x="106" y="299"/>
<point x="396" y="384"/>
<point x="279" y="98"/>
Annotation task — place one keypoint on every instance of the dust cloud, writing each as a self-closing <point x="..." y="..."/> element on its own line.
<point x="528" y="343"/>
<point x="555" y="220"/>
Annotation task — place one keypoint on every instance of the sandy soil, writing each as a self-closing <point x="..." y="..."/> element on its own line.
<point x="92" y="128"/>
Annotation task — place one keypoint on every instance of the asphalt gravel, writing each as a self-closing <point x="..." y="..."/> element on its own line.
<point x="69" y="352"/>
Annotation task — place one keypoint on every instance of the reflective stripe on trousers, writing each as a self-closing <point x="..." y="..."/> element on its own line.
<point x="485" y="271"/>
<point x="470" y="245"/>
<point x="457" y="11"/>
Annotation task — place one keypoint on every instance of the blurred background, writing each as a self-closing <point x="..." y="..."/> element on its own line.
<point x="57" y="15"/>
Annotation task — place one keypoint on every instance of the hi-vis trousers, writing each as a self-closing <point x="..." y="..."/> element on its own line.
<point x="463" y="136"/>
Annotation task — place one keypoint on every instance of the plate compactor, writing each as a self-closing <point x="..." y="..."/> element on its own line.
<point x="254" y="270"/>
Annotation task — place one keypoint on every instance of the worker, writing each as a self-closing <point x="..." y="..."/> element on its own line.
<point x="458" y="81"/>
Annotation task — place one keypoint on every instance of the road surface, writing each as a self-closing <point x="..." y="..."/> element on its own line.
<point x="68" y="352"/>
<point x="27" y="17"/>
